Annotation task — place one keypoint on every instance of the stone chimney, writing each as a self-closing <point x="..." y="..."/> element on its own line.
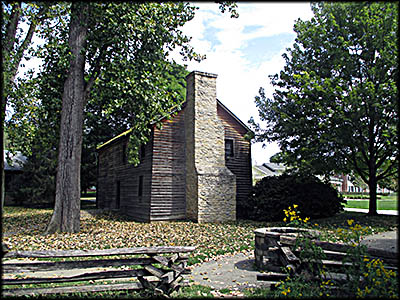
<point x="210" y="185"/>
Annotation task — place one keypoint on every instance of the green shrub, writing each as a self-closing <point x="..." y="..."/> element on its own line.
<point x="273" y="194"/>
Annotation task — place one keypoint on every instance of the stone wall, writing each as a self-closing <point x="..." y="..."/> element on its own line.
<point x="210" y="185"/>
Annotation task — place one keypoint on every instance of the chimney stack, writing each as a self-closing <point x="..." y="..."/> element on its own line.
<point x="210" y="185"/>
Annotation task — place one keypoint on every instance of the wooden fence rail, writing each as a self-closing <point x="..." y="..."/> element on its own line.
<point x="155" y="268"/>
<point x="336" y="260"/>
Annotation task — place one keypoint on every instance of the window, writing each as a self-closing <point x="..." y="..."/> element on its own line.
<point x="123" y="158"/>
<point x="118" y="196"/>
<point x="142" y="151"/>
<point x="229" y="148"/>
<point x="140" y="188"/>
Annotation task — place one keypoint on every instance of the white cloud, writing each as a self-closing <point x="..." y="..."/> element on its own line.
<point x="238" y="79"/>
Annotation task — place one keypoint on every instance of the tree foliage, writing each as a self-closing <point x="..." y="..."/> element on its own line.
<point x="115" y="57"/>
<point x="16" y="45"/>
<point x="334" y="104"/>
<point x="34" y="126"/>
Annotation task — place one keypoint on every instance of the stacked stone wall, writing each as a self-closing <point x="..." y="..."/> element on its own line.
<point x="210" y="185"/>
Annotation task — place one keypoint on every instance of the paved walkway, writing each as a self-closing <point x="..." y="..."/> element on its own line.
<point x="380" y="212"/>
<point x="385" y="240"/>
<point x="234" y="272"/>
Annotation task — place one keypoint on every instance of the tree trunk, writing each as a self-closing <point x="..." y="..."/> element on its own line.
<point x="66" y="215"/>
<point x="372" y="184"/>
<point x="8" y="44"/>
<point x="2" y="174"/>
<point x="9" y="65"/>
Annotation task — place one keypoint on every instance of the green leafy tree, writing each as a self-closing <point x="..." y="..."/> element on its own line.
<point x="100" y="127"/>
<point x="16" y="45"/>
<point x="34" y="125"/>
<point x="117" y="51"/>
<point x="104" y="39"/>
<point x="334" y="104"/>
<point x="390" y="183"/>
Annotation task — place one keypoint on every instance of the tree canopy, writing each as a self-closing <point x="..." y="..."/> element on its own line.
<point x="334" y="104"/>
<point x="104" y="62"/>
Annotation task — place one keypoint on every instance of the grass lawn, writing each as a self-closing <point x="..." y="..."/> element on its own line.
<point x="23" y="230"/>
<point x="388" y="202"/>
<point x="382" y="204"/>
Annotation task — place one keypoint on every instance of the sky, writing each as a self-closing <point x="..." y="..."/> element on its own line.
<point x="243" y="52"/>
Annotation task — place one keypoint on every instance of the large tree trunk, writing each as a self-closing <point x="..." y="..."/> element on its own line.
<point x="2" y="173"/>
<point x="66" y="215"/>
<point x="372" y="184"/>
<point x="8" y="46"/>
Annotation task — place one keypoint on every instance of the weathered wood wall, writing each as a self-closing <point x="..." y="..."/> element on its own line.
<point x="113" y="169"/>
<point x="168" y="170"/>
<point x="240" y="163"/>
<point x="163" y="171"/>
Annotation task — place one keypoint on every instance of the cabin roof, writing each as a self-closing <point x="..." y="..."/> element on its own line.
<point x="234" y="116"/>
<point x="176" y="108"/>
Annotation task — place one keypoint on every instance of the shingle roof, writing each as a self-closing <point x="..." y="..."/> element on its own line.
<point x="275" y="167"/>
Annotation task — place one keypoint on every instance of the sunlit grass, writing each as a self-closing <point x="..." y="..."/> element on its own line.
<point x="381" y="204"/>
<point x="23" y="229"/>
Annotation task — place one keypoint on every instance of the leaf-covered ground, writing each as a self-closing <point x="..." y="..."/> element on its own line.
<point x="23" y="229"/>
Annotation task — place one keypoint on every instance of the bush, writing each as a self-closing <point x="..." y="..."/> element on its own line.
<point x="273" y="194"/>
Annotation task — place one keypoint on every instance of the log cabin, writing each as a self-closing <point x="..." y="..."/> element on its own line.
<point x="196" y="166"/>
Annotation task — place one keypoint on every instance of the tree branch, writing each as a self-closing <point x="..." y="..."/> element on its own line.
<point x="360" y="172"/>
<point x="28" y="38"/>
<point x="386" y="175"/>
<point x="383" y="158"/>
<point x="95" y="74"/>
<point x="388" y="172"/>
<point x="12" y="26"/>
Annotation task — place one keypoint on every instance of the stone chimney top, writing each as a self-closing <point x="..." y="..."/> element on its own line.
<point x="201" y="73"/>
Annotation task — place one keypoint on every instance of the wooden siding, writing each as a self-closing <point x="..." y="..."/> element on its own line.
<point x="240" y="163"/>
<point x="168" y="170"/>
<point x="163" y="171"/>
<point x="113" y="169"/>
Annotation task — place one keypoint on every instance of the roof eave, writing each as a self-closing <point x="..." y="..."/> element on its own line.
<point x="234" y="117"/>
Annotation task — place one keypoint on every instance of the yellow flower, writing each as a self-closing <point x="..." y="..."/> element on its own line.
<point x="295" y="205"/>
<point x="350" y="222"/>
<point x="284" y="220"/>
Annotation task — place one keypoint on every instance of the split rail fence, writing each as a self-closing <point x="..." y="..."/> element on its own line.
<point x="159" y="269"/>
<point x="276" y="251"/>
